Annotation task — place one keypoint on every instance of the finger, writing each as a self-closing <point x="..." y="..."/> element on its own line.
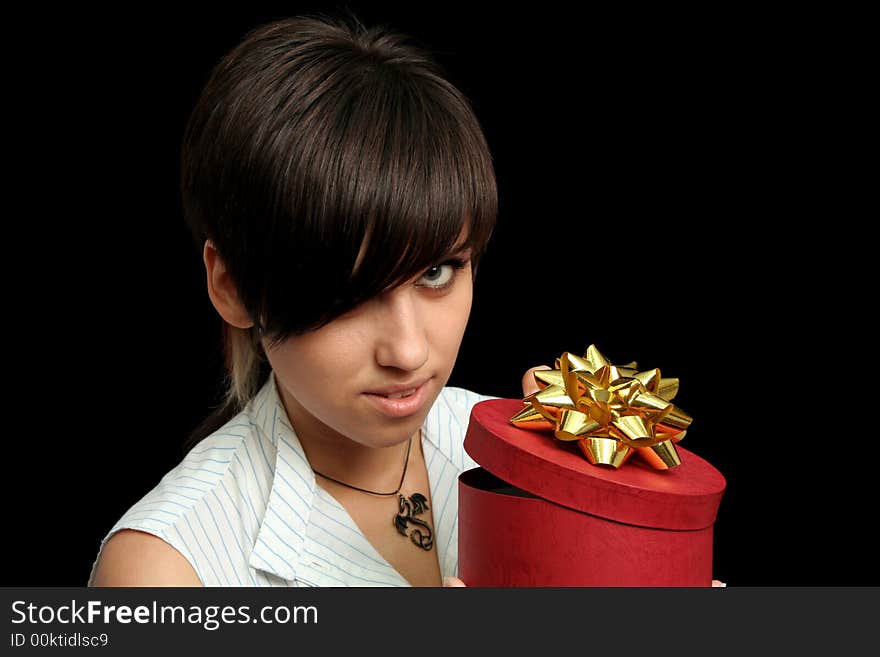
<point x="452" y="581"/>
<point x="718" y="582"/>
<point x="528" y="381"/>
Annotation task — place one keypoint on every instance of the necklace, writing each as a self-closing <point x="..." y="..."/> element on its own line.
<point x="422" y="534"/>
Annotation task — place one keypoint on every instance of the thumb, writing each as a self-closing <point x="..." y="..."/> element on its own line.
<point x="452" y="581"/>
<point x="528" y="381"/>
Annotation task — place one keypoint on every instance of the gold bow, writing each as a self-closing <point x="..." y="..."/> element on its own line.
<point x="610" y="410"/>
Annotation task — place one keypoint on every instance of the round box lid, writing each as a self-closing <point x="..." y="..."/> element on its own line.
<point x="685" y="497"/>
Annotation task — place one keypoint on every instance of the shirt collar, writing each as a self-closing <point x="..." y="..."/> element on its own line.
<point x="280" y="539"/>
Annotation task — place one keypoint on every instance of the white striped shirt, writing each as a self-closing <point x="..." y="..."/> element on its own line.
<point x="244" y="509"/>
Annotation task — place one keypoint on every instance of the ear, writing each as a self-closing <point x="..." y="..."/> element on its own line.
<point x="222" y="291"/>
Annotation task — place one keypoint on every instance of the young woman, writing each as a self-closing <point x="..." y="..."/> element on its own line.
<point x="341" y="194"/>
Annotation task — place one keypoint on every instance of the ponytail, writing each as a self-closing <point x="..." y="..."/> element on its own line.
<point x="246" y="371"/>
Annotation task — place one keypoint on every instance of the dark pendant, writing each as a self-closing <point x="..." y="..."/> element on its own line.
<point x="422" y="534"/>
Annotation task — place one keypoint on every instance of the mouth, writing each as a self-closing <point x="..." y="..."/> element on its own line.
<point x="398" y="401"/>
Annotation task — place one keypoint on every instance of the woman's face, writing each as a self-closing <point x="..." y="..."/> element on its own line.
<point x="408" y="336"/>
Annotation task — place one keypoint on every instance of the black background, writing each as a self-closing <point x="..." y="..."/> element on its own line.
<point x="689" y="190"/>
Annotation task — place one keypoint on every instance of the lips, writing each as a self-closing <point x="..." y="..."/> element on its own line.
<point x="399" y="400"/>
<point x="400" y="395"/>
<point x="398" y="389"/>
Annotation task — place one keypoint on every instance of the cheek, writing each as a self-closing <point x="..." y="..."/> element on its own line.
<point x="451" y="323"/>
<point x="311" y="365"/>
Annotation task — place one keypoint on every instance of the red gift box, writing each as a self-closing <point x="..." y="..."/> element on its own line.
<point x="539" y="514"/>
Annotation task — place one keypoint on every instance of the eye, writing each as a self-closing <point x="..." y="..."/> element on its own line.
<point x="442" y="276"/>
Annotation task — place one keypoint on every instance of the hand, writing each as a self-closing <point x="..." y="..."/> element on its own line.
<point x="452" y="581"/>
<point x="528" y="381"/>
<point x="718" y="582"/>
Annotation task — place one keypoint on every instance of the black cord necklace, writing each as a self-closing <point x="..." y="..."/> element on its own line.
<point x="421" y="535"/>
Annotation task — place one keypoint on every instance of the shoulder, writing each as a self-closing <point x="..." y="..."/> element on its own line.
<point x="458" y="403"/>
<point x="202" y="510"/>
<point x="454" y="405"/>
<point x="135" y="558"/>
<point x="447" y="423"/>
<point x="229" y="454"/>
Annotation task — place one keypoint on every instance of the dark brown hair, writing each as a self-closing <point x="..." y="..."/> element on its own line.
<point x="327" y="162"/>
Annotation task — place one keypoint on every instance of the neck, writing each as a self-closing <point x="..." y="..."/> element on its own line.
<point x="335" y="455"/>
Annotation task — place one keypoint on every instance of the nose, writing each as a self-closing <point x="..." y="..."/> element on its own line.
<point x="401" y="340"/>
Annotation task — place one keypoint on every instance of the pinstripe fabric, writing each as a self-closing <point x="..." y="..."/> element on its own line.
<point x="244" y="509"/>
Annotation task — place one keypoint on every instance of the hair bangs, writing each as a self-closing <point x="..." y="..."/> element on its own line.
<point x="405" y="181"/>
